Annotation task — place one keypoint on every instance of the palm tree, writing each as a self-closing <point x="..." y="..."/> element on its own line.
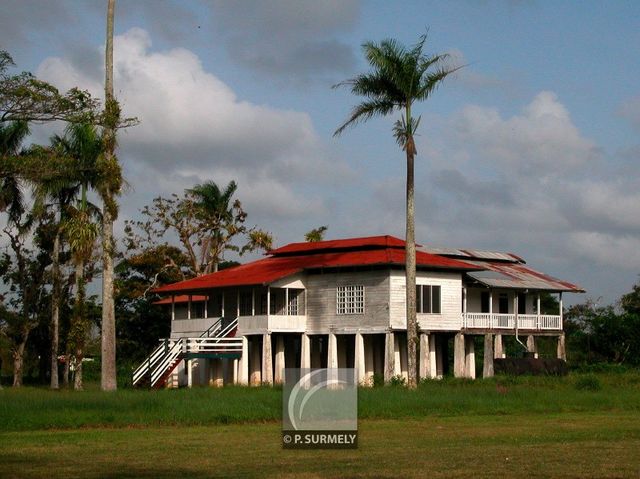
<point x="83" y="145"/>
<point x="109" y="189"/>
<point x="12" y="134"/>
<point x="399" y="77"/>
<point x="316" y="234"/>
<point x="215" y="208"/>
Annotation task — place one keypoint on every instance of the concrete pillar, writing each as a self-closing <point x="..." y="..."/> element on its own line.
<point x="305" y="351"/>
<point x="243" y="363"/>
<point x="280" y="362"/>
<point x="267" y="366"/>
<point x="189" y="373"/>
<point x="470" y="358"/>
<point x="389" y="356"/>
<point x="359" y="360"/>
<point x="532" y="345"/>
<point x="498" y="351"/>
<point x="255" y="375"/>
<point x="425" y="357"/>
<point x="562" y="353"/>
<point x="487" y="363"/>
<point x="397" y="356"/>
<point x="332" y="351"/>
<point x="459" y="356"/>
<point x="234" y="371"/>
<point x="433" y="361"/>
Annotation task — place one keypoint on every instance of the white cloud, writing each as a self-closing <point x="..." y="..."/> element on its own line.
<point x="193" y="126"/>
<point x="542" y="140"/>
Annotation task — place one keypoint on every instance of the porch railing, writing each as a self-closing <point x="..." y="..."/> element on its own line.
<point x="508" y="321"/>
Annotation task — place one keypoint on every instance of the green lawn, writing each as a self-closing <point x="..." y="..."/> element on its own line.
<point x="526" y="427"/>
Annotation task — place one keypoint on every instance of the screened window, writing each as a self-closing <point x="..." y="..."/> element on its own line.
<point x="484" y="302"/>
<point x="350" y="299"/>
<point x="246" y="303"/>
<point x="522" y="303"/>
<point x="428" y="299"/>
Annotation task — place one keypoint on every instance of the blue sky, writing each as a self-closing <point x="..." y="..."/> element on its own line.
<point x="533" y="147"/>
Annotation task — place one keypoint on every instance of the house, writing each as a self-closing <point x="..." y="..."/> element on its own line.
<point x="341" y="303"/>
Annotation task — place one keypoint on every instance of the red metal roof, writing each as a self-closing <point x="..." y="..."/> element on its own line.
<point x="183" y="298"/>
<point x="369" y="242"/>
<point x="383" y="250"/>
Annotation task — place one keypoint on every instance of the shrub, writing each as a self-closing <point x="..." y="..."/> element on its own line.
<point x="398" y="380"/>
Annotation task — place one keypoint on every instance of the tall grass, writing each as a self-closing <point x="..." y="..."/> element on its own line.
<point x="39" y="408"/>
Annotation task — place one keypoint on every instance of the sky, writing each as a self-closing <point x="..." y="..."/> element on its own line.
<point x="532" y="147"/>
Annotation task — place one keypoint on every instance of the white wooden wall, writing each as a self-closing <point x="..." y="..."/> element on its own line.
<point x="450" y="318"/>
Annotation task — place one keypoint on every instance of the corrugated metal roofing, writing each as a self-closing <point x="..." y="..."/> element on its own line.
<point x="268" y="270"/>
<point x="519" y="276"/>
<point x="477" y="254"/>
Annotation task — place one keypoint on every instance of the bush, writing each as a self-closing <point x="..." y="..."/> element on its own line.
<point x="398" y="380"/>
<point x="588" y="382"/>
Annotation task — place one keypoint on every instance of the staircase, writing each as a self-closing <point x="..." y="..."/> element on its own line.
<point x="214" y="342"/>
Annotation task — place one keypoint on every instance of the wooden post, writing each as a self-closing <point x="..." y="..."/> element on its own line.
<point x="267" y="366"/>
<point x="459" y="356"/>
<point x="389" y="356"/>
<point x="538" y="311"/>
<point x="487" y="363"/>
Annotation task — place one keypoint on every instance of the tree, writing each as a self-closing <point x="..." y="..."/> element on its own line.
<point x="23" y="270"/>
<point x="12" y="134"/>
<point x="316" y="234"/>
<point x="83" y="144"/>
<point x="399" y="77"/>
<point x="207" y="222"/>
<point x="25" y="98"/>
<point x="110" y="188"/>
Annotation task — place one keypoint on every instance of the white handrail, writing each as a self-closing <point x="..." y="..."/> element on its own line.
<point x="167" y="361"/>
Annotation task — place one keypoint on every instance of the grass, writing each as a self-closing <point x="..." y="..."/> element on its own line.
<point x="38" y="408"/>
<point x="526" y="427"/>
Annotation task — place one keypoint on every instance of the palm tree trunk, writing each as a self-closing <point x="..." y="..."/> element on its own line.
<point x="108" y="371"/>
<point x="410" y="266"/>
<point x="55" y="309"/>
<point x="78" y="326"/>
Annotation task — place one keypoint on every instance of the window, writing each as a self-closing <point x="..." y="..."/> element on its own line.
<point x="350" y="299"/>
<point x="292" y="307"/>
<point x="428" y="299"/>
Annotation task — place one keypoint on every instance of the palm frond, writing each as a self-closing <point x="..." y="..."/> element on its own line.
<point x="365" y="111"/>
